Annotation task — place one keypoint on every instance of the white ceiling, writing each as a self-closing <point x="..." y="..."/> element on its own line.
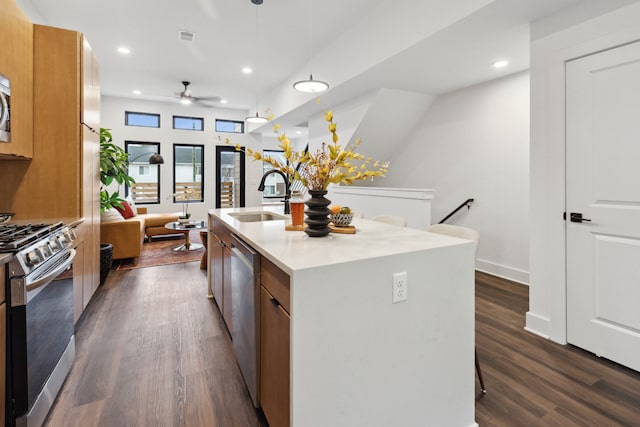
<point x="455" y="57"/>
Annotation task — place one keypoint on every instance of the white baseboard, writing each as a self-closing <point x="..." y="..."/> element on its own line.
<point x="503" y="271"/>
<point x="537" y="325"/>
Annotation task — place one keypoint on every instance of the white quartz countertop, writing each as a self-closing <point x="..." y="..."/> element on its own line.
<point x="294" y="250"/>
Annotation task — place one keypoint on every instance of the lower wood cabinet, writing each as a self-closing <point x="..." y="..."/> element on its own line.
<point x="3" y="344"/>
<point x="274" y="360"/>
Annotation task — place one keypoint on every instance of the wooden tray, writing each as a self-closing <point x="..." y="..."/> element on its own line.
<point x="291" y="227"/>
<point x="349" y="229"/>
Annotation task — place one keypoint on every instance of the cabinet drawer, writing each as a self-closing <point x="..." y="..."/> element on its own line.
<point x="276" y="282"/>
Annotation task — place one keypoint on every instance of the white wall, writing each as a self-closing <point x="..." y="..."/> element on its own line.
<point x="474" y="143"/>
<point x="549" y="53"/>
<point x="112" y="117"/>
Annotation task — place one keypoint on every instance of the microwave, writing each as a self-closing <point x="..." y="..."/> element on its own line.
<point x="5" y="108"/>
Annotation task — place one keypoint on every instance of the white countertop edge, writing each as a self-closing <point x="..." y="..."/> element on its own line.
<point x="294" y="250"/>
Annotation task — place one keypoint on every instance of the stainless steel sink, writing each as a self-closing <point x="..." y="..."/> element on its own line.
<point x="256" y="216"/>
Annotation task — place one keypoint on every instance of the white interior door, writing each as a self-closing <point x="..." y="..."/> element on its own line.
<point x="603" y="184"/>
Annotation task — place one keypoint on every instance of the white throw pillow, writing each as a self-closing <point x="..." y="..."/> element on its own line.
<point x="129" y="200"/>
<point x="111" y="215"/>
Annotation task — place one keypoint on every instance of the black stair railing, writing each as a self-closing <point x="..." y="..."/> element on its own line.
<point x="466" y="203"/>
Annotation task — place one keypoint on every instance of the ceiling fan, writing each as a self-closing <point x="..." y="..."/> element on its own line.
<point x="187" y="98"/>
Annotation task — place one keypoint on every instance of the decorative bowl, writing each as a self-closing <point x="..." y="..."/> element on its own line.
<point x="184" y="220"/>
<point x="341" y="220"/>
<point x="5" y="217"/>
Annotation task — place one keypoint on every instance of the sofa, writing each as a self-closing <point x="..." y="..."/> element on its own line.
<point x="127" y="235"/>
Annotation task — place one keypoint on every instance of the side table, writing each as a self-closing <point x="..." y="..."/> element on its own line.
<point x="186" y="228"/>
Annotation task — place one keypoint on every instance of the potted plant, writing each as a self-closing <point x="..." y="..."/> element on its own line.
<point x="114" y="166"/>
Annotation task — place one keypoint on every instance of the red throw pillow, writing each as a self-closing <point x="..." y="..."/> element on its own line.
<point x="126" y="211"/>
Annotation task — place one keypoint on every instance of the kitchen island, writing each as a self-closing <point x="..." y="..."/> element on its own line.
<point x="356" y="358"/>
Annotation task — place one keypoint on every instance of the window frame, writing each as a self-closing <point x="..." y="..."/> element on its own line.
<point x="202" y="171"/>
<point x="156" y="149"/>
<point x="201" y="119"/>
<point x="237" y="122"/>
<point x="126" y="119"/>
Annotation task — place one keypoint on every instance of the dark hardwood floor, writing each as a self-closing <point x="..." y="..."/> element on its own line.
<point x="152" y="350"/>
<point x="532" y="381"/>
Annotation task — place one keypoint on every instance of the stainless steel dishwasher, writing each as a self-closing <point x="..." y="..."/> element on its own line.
<point x="245" y="284"/>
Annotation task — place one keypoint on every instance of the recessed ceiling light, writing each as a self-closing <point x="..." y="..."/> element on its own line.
<point x="247" y="70"/>
<point x="500" y="64"/>
<point x="137" y="92"/>
<point x="223" y="101"/>
<point x="299" y="132"/>
<point x="124" y="50"/>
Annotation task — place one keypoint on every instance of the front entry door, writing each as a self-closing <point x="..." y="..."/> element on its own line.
<point x="603" y="184"/>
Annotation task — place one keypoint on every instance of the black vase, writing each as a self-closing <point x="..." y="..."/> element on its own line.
<point x="317" y="214"/>
<point x="106" y="261"/>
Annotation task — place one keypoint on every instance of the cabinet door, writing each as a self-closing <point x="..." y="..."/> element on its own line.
<point x="274" y="360"/>
<point x="3" y="358"/>
<point x="16" y="57"/>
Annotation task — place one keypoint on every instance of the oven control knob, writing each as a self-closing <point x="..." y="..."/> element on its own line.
<point x="32" y="258"/>
<point x="62" y="239"/>
<point x="53" y="245"/>
<point x="46" y="251"/>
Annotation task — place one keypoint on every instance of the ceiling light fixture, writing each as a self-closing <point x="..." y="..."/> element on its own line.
<point x="137" y="92"/>
<point x="257" y="119"/>
<point x="185" y="95"/>
<point x="311" y="85"/>
<point x="124" y="50"/>
<point x="500" y="64"/>
<point x="247" y="70"/>
<point x="223" y="101"/>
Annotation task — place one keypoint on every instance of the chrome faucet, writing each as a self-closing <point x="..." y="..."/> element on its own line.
<point x="287" y="186"/>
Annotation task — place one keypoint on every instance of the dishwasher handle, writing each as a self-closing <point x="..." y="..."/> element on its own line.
<point x="243" y="251"/>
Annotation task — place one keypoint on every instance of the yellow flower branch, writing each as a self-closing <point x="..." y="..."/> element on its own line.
<point x="330" y="163"/>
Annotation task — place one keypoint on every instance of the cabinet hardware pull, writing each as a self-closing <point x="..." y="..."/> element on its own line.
<point x="275" y="302"/>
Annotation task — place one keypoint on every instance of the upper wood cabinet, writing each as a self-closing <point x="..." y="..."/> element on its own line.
<point x="63" y="179"/>
<point x="16" y="63"/>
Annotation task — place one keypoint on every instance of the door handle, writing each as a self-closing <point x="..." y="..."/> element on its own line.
<point x="577" y="217"/>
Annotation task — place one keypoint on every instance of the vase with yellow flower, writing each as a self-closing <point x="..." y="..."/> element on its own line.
<point x="329" y="164"/>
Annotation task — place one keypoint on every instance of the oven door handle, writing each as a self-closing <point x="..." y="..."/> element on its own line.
<point x="53" y="274"/>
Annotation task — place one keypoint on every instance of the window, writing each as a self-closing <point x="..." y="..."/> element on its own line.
<point x="188" y="123"/>
<point x="146" y="189"/>
<point x="274" y="185"/>
<point x="232" y="126"/>
<point x="188" y="170"/>
<point x="230" y="182"/>
<point x="148" y="120"/>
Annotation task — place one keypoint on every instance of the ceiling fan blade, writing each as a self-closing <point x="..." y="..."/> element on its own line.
<point x="209" y="98"/>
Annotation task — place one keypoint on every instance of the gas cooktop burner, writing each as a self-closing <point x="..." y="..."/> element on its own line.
<point x="14" y="237"/>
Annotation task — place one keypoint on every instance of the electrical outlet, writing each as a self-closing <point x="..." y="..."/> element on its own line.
<point x="399" y="287"/>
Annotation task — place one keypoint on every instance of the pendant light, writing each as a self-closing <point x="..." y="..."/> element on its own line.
<point x="257" y="119"/>
<point x="311" y="85"/>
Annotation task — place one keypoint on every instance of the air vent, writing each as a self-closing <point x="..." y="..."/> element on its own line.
<point x="187" y="36"/>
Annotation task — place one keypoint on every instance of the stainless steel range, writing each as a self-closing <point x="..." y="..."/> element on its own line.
<point x="41" y="346"/>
